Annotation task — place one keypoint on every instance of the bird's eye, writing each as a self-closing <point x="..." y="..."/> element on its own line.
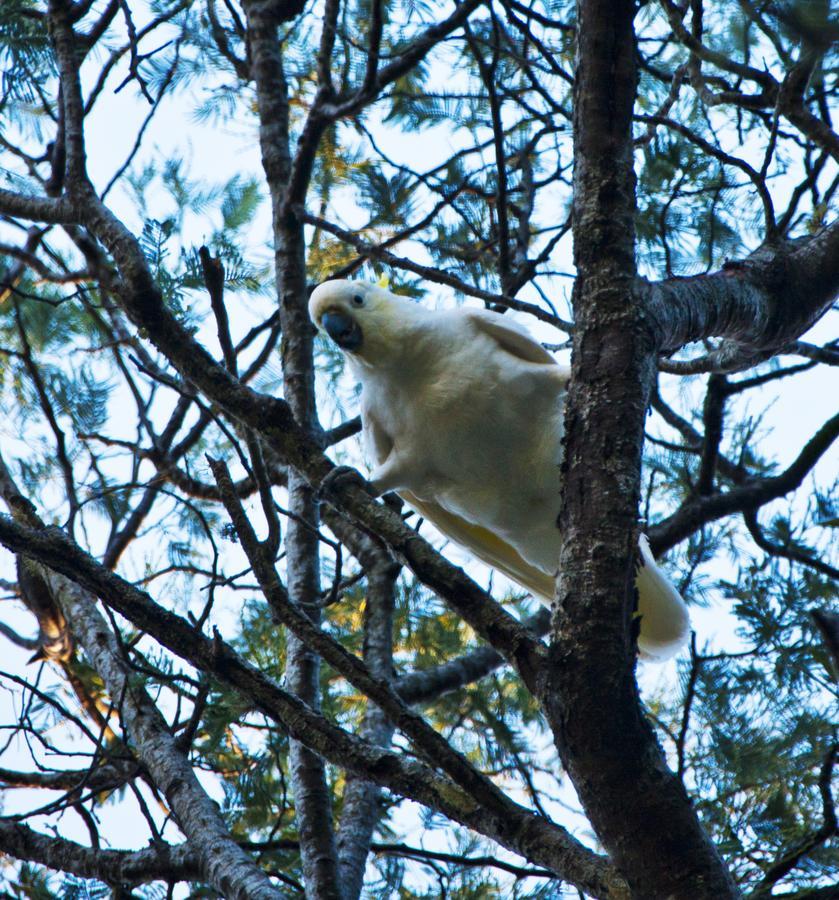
<point x="357" y="300"/>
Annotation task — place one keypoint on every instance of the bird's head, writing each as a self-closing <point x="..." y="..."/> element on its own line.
<point x="364" y="320"/>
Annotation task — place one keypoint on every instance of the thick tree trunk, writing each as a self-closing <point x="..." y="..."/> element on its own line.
<point x="638" y="808"/>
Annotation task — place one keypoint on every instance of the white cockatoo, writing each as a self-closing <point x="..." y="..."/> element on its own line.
<point x="462" y="415"/>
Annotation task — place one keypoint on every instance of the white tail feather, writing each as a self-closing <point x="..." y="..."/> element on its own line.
<point x="665" y="623"/>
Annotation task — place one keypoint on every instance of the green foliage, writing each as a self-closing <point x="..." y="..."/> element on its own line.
<point x="78" y="889"/>
<point x="30" y="883"/>
<point x="25" y="53"/>
<point x="757" y="712"/>
<point x="240" y="202"/>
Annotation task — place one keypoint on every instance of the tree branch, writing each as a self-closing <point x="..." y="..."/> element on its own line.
<point x="792" y="858"/>
<point x="68" y="59"/>
<point x="222" y="862"/>
<point x="749" y="495"/>
<point x="272" y="418"/>
<point x="759" y="305"/>
<point x="591" y="697"/>
<point x="430" y="743"/>
<point x="376" y="252"/>
<point x="527" y="834"/>
<point x="361" y="802"/>
<point x="790" y="552"/>
<point x="313" y="799"/>
<point x="424" y="685"/>
<point x="113" y="867"/>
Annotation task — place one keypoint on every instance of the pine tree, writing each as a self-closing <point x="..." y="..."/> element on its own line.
<point x="223" y="683"/>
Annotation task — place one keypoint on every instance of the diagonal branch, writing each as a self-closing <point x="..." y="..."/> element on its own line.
<point x="417" y="50"/>
<point x="223" y="863"/>
<point x="424" y="685"/>
<point x="272" y="418"/>
<point x="377" y="252"/>
<point x="795" y="554"/>
<point x="758" y="305"/>
<point x="114" y="867"/>
<point x="432" y="745"/>
<point x="747" y="496"/>
<point x="524" y="832"/>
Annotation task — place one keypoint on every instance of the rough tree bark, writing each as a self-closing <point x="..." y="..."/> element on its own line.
<point x="511" y="825"/>
<point x="637" y="806"/>
<point x="758" y="306"/>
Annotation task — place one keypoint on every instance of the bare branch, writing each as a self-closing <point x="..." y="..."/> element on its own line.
<point x="114" y="867"/>
<point x="431" y="744"/>
<point x="375" y="251"/>
<point x="540" y="841"/>
<point x="749" y="495"/>
<point x="759" y="305"/>
<point x="788" y="552"/>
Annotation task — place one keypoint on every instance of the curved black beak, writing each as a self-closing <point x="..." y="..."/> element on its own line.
<point x="343" y="329"/>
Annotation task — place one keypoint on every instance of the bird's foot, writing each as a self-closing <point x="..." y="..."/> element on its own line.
<point x="339" y="478"/>
<point x="394" y="501"/>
